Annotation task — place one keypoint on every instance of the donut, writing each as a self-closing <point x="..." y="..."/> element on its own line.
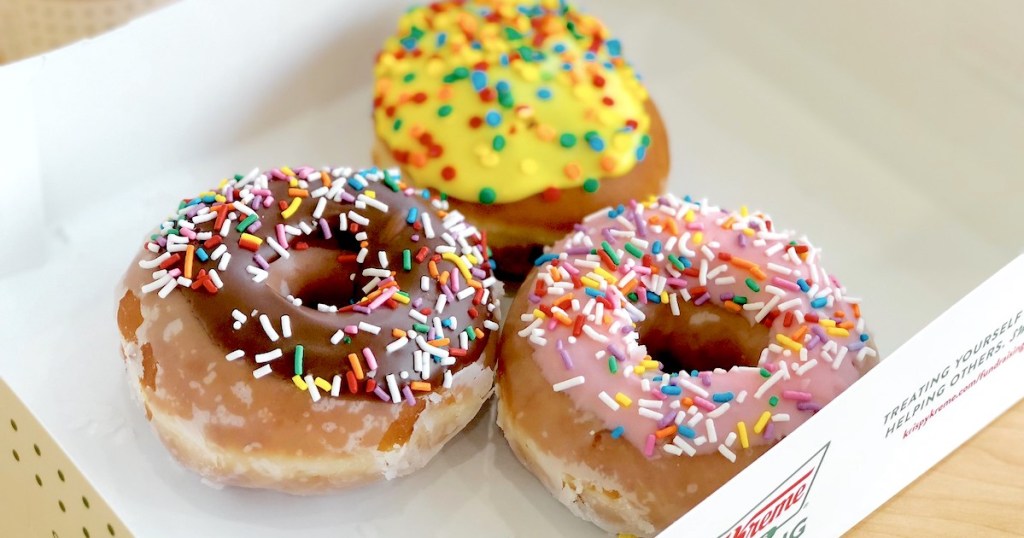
<point x="307" y="330"/>
<point x="527" y="115"/>
<point x="662" y="347"/>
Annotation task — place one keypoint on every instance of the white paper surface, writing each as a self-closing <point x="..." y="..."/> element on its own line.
<point x="125" y="124"/>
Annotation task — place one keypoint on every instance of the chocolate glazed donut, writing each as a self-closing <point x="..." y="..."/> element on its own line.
<point x="313" y="300"/>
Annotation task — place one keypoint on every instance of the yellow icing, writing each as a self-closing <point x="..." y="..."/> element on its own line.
<point x="427" y="78"/>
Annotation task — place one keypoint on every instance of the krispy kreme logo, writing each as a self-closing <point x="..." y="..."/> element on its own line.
<point x="781" y="505"/>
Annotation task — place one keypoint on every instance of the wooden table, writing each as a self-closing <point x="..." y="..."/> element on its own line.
<point x="976" y="491"/>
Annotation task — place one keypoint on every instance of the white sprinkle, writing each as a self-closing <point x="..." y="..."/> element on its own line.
<point x="729" y="455"/>
<point x="248" y="177"/>
<point x="779" y="268"/>
<point x="688" y="385"/>
<point x="422" y="343"/>
<point x="425" y="283"/>
<point x="268" y="328"/>
<point x="243" y="208"/>
<point x="447" y="383"/>
<point x="425" y="363"/>
<point x="372" y="283"/>
<point x="261" y="371"/>
<point x="772" y="250"/>
<point x="707" y="252"/>
<point x="155" y="262"/>
<point x="651" y="414"/>
<point x="157" y="284"/>
<point x="383" y="258"/>
<point x="493" y="326"/>
<point x="702" y="277"/>
<point x="782" y="372"/>
<point x="653" y="404"/>
<point x="672" y="449"/>
<point x="465" y="293"/>
<point x="684" y="446"/>
<point x="337" y="337"/>
<point x="608" y="401"/>
<point x="805" y="367"/>
<point x="286" y="326"/>
<point x="418" y="316"/>
<point x="529" y="328"/>
<point x="281" y="251"/>
<point x="792" y="303"/>
<point x="268" y="356"/>
<point x="719" y="411"/>
<point x="568" y="383"/>
<point x="225" y="228"/>
<point x="314" y="392"/>
<point x="336" y="386"/>
<point x="238" y="315"/>
<point x="215" y="277"/>
<point x="373" y="202"/>
<point x="397" y="344"/>
<point x="839" y="357"/>
<point x="166" y="290"/>
<point x="767" y="308"/>
<point x="370" y="328"/>
<point x="321" y="204"/>
<point x="725" y="280"/>
<point x="442" y="300"/>
<point x="594" y="334"/>
<point x="730" y="439"/>
<point x="428" y="226"/>
<point x="741" y="396"/>
<point x="223" y="266"/>
<point x="236" y="354"/>
<point x="358" y="219"/>
<point x="781" y="417"/>
<point x="712" y="434"/>
<point x="217" y="252"/>
<point x="396" y="396"/>
<point x="259" y="275"/>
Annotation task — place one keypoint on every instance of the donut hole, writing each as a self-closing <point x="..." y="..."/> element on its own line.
<point x="316" y="277"/>
<point x="702" y="339"/>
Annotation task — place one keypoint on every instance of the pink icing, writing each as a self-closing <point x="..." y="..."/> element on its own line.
<point x="722" y="251"/>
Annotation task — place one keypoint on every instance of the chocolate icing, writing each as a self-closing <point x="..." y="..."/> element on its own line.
<point x="388" y="232"/>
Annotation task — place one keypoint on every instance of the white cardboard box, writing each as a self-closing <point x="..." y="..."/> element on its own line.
<point x="899" y="156"/>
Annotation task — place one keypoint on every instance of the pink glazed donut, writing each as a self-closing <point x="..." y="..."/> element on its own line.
<point x="662" y="347"/>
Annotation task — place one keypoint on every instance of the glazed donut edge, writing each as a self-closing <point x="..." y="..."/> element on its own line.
<point x="397" y="441"/>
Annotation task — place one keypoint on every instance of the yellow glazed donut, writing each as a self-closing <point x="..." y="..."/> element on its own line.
<point x="660" y="348"/>
<point x="526" y="115"/>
